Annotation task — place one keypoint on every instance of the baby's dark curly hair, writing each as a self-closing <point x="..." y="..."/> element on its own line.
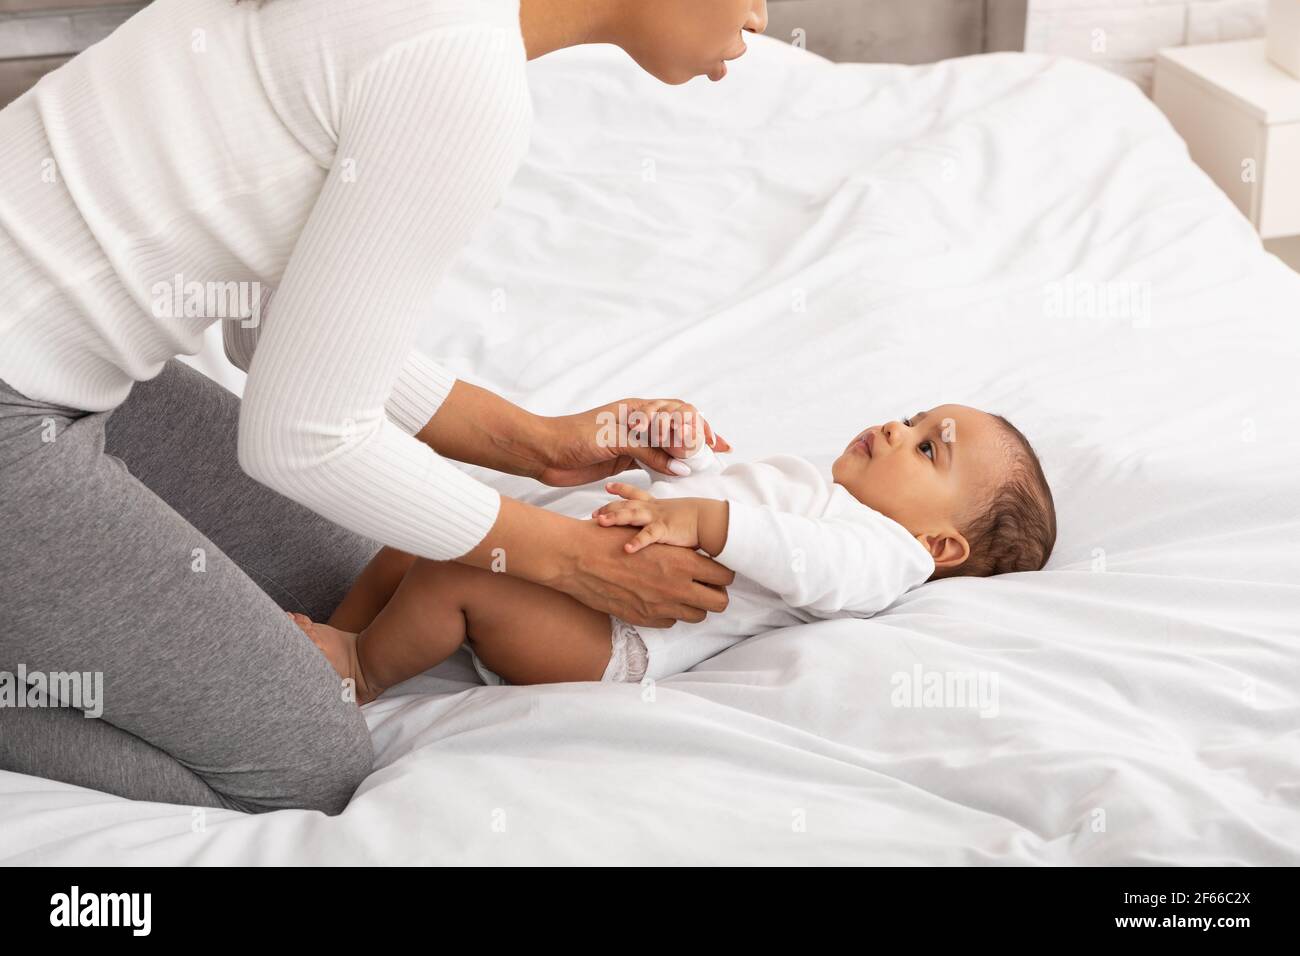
<point x="1015" y="530"/>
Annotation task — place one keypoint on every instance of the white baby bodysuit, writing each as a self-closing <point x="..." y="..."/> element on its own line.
<point x="803" y="550"/>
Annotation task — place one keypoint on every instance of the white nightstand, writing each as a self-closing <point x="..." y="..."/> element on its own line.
<point x="1240" y="116"/>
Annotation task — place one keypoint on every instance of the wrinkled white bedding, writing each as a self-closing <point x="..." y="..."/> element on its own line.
<point x="802" y="250"/>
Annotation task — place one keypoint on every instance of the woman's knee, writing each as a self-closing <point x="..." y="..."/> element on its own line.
<point x="321" y="769"/>
<point x="346" y="761"/>
<point x="298" y="740"/>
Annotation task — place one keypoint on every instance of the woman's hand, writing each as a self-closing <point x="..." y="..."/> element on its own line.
<point x="588" y="446"/>
<point x="480" y="427"/>
<point x="654" y="587"/>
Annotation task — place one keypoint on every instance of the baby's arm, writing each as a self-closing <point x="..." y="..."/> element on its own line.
<point x="684" y="522"/>
<point x="826" y="566"/>
<point x="830" y="567"/>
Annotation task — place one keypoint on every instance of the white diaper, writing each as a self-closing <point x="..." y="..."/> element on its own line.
<point x="628" y="658"/>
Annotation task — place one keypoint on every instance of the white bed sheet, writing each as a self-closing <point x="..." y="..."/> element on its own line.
<point x="802" y="250"/>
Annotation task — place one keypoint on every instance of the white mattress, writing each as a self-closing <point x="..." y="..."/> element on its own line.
<point x="802" y="250"/>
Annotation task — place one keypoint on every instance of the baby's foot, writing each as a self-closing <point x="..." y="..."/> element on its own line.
<point x="340" y="649"/>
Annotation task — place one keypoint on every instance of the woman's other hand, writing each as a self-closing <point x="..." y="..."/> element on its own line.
<point x="656" y="586"/>
<point x="602" y="442"/>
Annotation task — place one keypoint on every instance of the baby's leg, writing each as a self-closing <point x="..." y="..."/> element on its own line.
<point x="372" y="589"/>
<point x="527" y="633"/>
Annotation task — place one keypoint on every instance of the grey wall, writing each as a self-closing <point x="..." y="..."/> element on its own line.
<point x="899" y="31"/>
<point x="33" y="28"/>
<point x="1124" y="35"/>
<point x="38" y="35"/>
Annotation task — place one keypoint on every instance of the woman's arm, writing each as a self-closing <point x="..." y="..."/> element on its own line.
<point x="542" y="547"/>
<point x="474" y="425"/>
<point x="479" y="427"/>
<point x="430" y="133"/>
<point x="654" y="587"/>
<point x="422" y="384"/>
<point x="433" y="131"/>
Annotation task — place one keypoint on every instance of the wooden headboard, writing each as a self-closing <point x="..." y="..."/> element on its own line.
<point x="38" y="35"/>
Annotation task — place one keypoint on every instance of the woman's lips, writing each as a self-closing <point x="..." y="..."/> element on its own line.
<point x="870" y="442"/>
<point x="721" y="70"/>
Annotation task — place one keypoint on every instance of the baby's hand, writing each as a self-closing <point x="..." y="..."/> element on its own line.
<point x="672" y="521"/>
<point x="675" y="426"/>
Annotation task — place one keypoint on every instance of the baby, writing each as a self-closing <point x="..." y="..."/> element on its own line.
<point x="951" y="491"/>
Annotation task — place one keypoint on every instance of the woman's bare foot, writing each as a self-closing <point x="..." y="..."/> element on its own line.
<point x="340" y="649"/>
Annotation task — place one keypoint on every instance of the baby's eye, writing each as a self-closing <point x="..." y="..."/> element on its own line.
<point x="907" y="422"/>
<point x="923" y="445"/>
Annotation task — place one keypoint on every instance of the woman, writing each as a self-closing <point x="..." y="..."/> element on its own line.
<point x="342" y="153"/>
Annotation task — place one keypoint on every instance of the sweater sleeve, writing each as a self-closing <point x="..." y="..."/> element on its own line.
<point x="826" y="566"/>
<point x="430" y="134"/>
<point x="421" y="386"/>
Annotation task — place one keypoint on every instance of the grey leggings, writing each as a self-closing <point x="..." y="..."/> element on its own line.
<point x="132" y="545"/>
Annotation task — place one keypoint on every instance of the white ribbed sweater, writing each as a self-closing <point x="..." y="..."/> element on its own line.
<point x="338" y="152"/>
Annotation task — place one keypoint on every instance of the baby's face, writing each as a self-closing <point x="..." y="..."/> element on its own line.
<point x="927" y="472"/>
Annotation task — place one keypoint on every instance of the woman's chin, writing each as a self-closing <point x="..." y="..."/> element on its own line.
<point x="676" y="74"/>
<point x="673" y="78"/>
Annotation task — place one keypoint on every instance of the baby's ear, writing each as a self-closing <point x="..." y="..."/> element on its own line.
<point x="949" y="549"/>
